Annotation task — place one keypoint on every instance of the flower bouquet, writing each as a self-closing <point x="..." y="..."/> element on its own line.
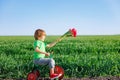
<point x="70" y="33"/>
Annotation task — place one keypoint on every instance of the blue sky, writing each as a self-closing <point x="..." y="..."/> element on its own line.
<point x="89" y="17"/>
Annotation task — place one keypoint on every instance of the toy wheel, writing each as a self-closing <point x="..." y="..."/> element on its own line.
<point x="31" y="76"/>
<point x="59" y="70"/>
<point x="36" y="72"/>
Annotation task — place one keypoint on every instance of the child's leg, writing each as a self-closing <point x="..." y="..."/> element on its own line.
<point x="51" y="63"/>
<point x="51" y="71"/>
<point x="46" y="61"/>
<point x="53" y="75"/>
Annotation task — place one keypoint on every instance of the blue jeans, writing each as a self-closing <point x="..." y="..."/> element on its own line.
<point x="45" y="61"/>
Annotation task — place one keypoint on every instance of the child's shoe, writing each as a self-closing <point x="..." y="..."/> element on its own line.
<point x="55" y="76"/>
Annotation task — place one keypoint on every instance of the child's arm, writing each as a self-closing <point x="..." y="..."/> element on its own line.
<point x="53" y="43"/>
<point x="39" y="51"/>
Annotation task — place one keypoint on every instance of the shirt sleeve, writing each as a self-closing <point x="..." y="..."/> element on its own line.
<point x="37" y="44"/>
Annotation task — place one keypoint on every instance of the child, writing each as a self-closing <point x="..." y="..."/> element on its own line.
<point x="40" y="53"/>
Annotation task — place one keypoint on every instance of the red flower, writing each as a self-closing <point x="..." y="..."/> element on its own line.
<point x="73" y="32"/>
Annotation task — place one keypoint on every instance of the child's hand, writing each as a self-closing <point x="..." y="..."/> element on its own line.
<point x="47" y="54"/>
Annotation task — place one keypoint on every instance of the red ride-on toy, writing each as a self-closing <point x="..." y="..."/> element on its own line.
<point x="35" y="73"/>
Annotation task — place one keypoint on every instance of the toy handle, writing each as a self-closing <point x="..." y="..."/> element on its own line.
<point x="51" y="55"/>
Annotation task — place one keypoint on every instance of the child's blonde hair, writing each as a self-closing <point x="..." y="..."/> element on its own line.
<point x="39" y="33"/>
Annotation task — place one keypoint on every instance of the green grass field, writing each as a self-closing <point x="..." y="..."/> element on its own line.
<point x="83" y="56"/>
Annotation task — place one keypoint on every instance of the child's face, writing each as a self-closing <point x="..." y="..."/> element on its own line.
<point x="42" y="38"/>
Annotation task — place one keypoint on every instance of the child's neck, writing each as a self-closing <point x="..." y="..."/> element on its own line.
<point x="41" y="40"/>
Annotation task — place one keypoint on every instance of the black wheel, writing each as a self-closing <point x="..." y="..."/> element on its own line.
<point x="31" y="76"/>
<point x="59" y="70"/>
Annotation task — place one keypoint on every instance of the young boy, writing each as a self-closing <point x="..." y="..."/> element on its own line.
<point x="40" y="53"/>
